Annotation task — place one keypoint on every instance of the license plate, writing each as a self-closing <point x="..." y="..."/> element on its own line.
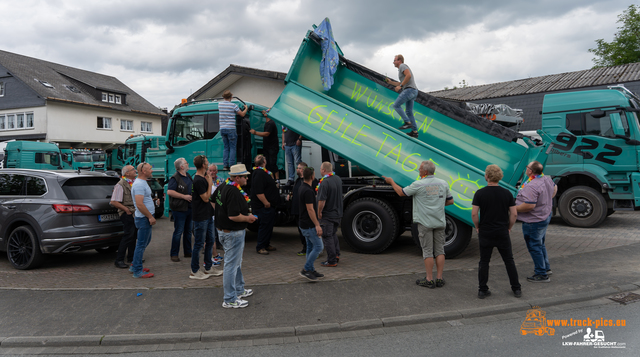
<point x="108" y="217"/>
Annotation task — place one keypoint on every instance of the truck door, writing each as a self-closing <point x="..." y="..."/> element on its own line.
<point x="565" y="142"/>
<point x="214" y="141"/>
<point x="187" y="138"/>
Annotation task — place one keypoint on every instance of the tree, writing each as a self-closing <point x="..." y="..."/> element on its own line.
<point x="625" y="47"/>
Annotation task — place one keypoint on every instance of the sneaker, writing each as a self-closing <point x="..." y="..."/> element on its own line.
<point x="405" y="126"/>
<point x="413" y="134"/>
<point x="426" y="283"/>
<point x="263" y="252"/>
<point x="236" y="304"/>
<point x="327" y="264"/>
<point x="439" y="283"/>
<point x="218" y="258"/>
<point x="549" y="272"/>
<point x="318" y="275"/>
<point x="199" y="275"/>
<point x="271" y="248"/>
<point x="302" y="253"/>
<point x="517" y="293"/>
<point x="309" y="275"/>
<point x="144" y="270"/>
<point x="483" y="294"/>
<point x="538" y="279"/>
<point x="213" y="271"/>
<point x="143" y="276"/>
<point x="246" y="293"/>
<point x="216" y="262"/>
<point x="175" y="259"/>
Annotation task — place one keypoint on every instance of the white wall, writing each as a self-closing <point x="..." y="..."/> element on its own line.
<point x="76" y="123"/>
<point x="39" y="121"/>
<point x="255" y="90"/>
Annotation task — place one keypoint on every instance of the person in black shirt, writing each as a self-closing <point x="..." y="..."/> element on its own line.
<point x="232" y="218"/>
<point x="202" y="213"/>
<point x="295" y="206"/>
<point x="309" y="224"/>
<point x="264" y="199"/>
<point x="270" y="146"/>
<point x="498" y="214"/>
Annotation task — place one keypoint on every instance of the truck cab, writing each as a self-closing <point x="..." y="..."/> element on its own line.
<point x="32" y="155"/>
<point x="99" y="159"/>
<point x="594" y="158"/>
<point x="77" y="159"/>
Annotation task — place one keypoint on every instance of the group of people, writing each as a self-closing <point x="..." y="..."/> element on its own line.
<point x="494" y="212"/>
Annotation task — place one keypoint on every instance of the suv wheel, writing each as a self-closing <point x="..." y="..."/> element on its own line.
<point x="23" y="249"/>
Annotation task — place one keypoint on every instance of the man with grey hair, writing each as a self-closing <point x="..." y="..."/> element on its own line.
<point x="179" y="191"/>
<point x="122" y="200"/>
<point x="430" y="196"/>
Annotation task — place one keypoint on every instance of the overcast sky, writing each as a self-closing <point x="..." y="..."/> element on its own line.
<point x="167" y="49"/>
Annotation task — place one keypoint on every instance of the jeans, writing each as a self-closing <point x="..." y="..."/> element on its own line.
<point x="232" y="279"/>
<point x="128" y="241"/>
<point x="203" y="235"/>
<point x="144" y="237"/>
<point x="181" y="226"/>
<point x="266" y="220"/>
<point x="503" y="243"/>
<point x="314" y="247"/>
<point x="407" y="97"/>
<point x="229" y="139"/>
<point x="330" y="238"/>
<point x="534" y="236"/>
<point x="293" y="156"/>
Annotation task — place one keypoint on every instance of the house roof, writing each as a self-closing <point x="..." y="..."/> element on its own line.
<point x="554" y="82"/>
<point x="232" y="74"/>
<point x="62" y="80"/>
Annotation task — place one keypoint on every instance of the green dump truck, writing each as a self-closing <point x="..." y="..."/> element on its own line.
<point x="355" y="119"/>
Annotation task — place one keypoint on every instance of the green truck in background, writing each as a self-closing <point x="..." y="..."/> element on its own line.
<point x="76" y="159"/>
<point x="32" y="155"/>
<point x="595" y="155"/>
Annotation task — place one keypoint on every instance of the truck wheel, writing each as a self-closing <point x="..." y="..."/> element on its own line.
<point x="457" y="236"/>
<point x="23" y="249"/>
<point x="582" y="206"/>
<point x="369" y="225"/>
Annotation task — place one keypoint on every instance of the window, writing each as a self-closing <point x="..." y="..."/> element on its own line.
<point x="11" y="121"/>
<point x="29" y="120"/>
<point x="118" y="99"/>
<point x="1" y="89"/>
<point x="188" y="129"/>
<point x="145" y="127"/>
<point x="89" y="188"/>
<point x="36" y="186"/>
<point x="3" y="124"/>
<point x="105" y="97"/>
<point x="104" y="123"/>
<point x="126" y="125"/>
<point x="11" y="185"/>
<point x="20" y="121"/>
<point x="111" y="100"/>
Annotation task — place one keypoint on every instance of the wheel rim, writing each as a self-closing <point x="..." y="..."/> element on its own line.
<point x="581" y="207"/>
<point x="367" y="226"/>
<point x="20" y="248"/>
<point x="450" y="232"/>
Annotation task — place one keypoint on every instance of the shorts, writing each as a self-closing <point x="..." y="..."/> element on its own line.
<point x="431" y="241"/>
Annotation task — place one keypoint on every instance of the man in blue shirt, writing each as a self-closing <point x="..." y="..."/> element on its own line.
<point x="145" y="208"/>
<point x="228" y="132"/>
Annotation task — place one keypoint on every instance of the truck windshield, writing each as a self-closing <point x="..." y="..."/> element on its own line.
<point x="99" y="157"/>
<point x="81" y="157"/>
<point x="129" y="151"/>
<point x="188" y="129"/>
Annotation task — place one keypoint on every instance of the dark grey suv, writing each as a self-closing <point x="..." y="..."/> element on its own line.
<point x="55" y="212"/>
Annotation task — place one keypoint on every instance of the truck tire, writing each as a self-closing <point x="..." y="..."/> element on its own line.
<point x="583" y="207"/>
<point x="457" y="236"/>
<point x="23" y="249"/>
<point x="369" y="225"/>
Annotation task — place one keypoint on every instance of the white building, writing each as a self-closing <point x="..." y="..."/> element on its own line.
<point x="50" y="102"/>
